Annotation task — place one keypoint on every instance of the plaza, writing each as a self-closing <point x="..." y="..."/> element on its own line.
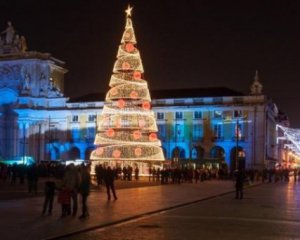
<point x="203" y="210"/>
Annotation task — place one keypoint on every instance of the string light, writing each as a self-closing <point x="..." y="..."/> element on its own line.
<point x="127" y="129"/>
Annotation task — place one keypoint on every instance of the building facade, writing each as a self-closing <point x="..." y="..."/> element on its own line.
<point x="212" y="127"/>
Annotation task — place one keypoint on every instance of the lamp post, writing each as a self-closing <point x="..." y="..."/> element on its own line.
<point x="237" y="143"/>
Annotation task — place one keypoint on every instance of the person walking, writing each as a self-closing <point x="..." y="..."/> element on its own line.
<point x="84" y="190"/>
<point x="109" y="178"/>
<point x="71" y="181"/>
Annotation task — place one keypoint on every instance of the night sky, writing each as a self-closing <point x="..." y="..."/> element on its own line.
<point x="183" y="44"/>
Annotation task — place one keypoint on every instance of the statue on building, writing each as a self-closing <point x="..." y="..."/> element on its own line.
<point x="256" y="87"/>
<point x="9" y="33"/>
<point x="52" y="90"/>
<point x="23" y="44"/>
<point x="12" y="42"/>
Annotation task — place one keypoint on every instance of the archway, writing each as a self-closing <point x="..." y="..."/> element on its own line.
<point x="178" y="152"/>
<point x="74" y="153"/>
<point x="217" y="152"/>
<point x="198" y="153"/>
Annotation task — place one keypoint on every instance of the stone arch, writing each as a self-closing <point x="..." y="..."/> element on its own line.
<point x="74" y="153"/>
<point x="217" y="152"/>
<point x="198" y="152"/>
<point x="178" y="152"/>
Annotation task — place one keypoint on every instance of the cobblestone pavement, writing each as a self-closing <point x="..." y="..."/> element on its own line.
<point x="268" y="211"/>
<point x="22" y="219"/>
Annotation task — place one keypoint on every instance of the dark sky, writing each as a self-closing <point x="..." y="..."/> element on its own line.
<point x="183" y="44"/>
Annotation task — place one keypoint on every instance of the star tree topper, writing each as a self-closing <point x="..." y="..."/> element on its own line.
<point x="128" y="11"/>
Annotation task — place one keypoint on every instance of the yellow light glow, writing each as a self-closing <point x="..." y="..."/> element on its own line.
<point x="128" y="11"/>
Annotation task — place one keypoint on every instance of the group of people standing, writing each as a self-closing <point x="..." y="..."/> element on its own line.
<point x="76" y="181"/>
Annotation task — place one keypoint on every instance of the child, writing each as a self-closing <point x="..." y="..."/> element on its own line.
<point x="64" y="198"/>
<point x="49" y="196"/>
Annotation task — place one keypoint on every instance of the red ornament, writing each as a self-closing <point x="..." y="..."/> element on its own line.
<point x="99" y="151"/>
<point x="138" y="151"/>
<point x="129" y="47"/>
<point x="137" y="135"/>
<point x="142" y="123"/>
<point x="121" y="103"/>
<point x="116" y="153"/>
<point x="110" y="132"/>
<point x="137" y="75"/>
<point x="146" y="105"/>
<point x="152" y="137"/>
<point x="134" y="94"/>
<point x="125" y="66"/>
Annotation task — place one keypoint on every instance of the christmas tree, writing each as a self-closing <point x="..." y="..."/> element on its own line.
<point x="127" y="130"/>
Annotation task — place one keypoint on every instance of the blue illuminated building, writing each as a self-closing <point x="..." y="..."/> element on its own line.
<point x="212" y="127"/>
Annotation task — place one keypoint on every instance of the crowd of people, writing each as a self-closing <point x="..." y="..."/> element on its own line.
<point x="71" y="181"/>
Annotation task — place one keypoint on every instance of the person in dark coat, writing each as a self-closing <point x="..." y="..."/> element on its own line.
<point x="32" y="178"/>
<point x="109" y="178"/>
<point x="239" y="184"/>
<point x="49" y="196"/>
<point x="84" y="189"/>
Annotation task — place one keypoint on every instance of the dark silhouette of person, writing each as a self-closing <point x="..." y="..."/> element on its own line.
<point x="50" y="187"/>
<point x="84" y="190"/>
<point x="239" y="184"/>
<point x="32" y="178"/>
<point x="109" y="178"/>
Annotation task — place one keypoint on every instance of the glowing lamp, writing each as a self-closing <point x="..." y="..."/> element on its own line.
<point x="110" y="132"/>
<point x="137" y="75"/>
<point x="137" y="135"/>
<point x="116" y="153"/>
<point x="129" y="47"/>
<point x="134" y="94"/>
<point x="121" y="103"/>
<point x="138" y="151"/>
<point x="152" y="137"/>
<point x="146" y="105"/>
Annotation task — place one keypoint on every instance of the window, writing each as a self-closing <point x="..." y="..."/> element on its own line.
<point x="237" y="113"/>
<point x="160" y="115"/>
<point x="75" y="118"/>
<point x="178" y="115"/>
<point x="197" y="131"/>
<point x="90" y="132"/>
<point x="92" y="118"/>
<point x="218" y="130"/>
<point x="218" y="114"/>
<point x="198" y="115"/>
<point x="179" y="131"/>
<point x="161" y="130"/>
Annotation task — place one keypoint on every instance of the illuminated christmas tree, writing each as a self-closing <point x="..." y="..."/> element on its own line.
<point x="127" y="130"/>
